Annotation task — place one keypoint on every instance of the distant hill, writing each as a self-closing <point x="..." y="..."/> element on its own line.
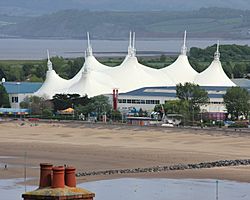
<point x="39" y="7"/>
<point x="206" y="23"/>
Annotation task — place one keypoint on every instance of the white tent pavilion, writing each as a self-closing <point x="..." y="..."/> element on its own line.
<point x="214" y="75"/>
<point x="180" y="71"/>
<point x="131" y="75"/>
<point x="90" y="60"/>
<point x="53" y="82"/>
<point x="92" y="83"/>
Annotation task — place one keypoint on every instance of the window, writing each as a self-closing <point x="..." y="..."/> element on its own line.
<point x="14" y="99"/>
<point x="138" y="101"/>
<point x="129" y="101"/>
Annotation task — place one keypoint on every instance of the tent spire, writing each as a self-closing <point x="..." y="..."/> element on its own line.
<point x="89" y="48"/>
<point x="130" y="39"/>
<point x="49" y="63"/>
<point x="217" y="53"/>
<point x="130" y="50"/>
<point x="184" y="47"/>
<point x="133" y="45"/>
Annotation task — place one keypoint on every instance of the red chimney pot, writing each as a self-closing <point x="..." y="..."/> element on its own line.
<point x="70" y="177"/>
<point x="58" y="177"/>
<point x="45" y="175"/>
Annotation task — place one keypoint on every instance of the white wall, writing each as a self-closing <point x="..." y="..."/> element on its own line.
<point x="20" y="99"/>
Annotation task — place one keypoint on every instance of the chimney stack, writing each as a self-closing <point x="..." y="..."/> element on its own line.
<point x="60" y="185"/>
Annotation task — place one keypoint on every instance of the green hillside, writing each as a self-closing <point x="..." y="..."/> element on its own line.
<point x="206" y="23"/>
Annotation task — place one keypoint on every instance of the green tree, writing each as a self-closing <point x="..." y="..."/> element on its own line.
<point x="191" y="97"/>
<point x="192" y="93"/>
<point x="37" y="105"/>
<point x="64" y="101"/>
<point x="163" y="58"/>
<point x="239" y="70"/>
<point x="4" y="97"/>
<point x="173" y="107"/>
<point x="236" y="100"/>
<point x="97" y="105"/>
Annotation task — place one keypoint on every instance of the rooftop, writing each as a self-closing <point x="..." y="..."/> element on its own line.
<point x="21" y="87"/>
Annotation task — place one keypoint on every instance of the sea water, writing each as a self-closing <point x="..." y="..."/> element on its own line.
<point x="33" y="49"/>
<point x="146" y="189"/>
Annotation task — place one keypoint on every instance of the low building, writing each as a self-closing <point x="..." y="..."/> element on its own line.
<point x="147" y="98"/>
<point x="19" y="90"/>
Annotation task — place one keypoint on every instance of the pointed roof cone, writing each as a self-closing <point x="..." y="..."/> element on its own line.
<point x="184" y="47"/>
<point x="217" y="53"/>
<point x="89" y="48"/>
<point x="49" y="63"/>
<point x="214" y="75"/>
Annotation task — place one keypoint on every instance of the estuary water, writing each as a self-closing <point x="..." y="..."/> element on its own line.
<point x="32" y="49"/>
<point x="147" y="189"/>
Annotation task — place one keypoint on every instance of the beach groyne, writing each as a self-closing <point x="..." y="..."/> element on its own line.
<point x="202" y="165"/>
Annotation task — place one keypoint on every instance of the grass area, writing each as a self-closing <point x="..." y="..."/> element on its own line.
<point x="21" y="62"/>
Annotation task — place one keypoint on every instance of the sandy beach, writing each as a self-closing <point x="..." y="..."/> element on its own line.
<point x="93" y="147"/>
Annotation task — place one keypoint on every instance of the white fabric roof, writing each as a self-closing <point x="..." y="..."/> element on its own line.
<point x="92" y="83"/>
<point x="214" y="75"/>
<point x="180" y="71"/>
<point x="52" y="84"/>
<point x="93" y="64"/>
<point x="95" y="78"/>
<point x="131" y="75"/>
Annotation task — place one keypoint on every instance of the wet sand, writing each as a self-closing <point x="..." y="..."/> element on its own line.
<point x="96" y="147"/>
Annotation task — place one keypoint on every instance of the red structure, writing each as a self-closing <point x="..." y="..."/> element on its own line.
<point x="58" y="183"/>
<point x="115" y="99"/>
<point x="58" y="177"/>
<point x="45" y="175"/>
<point x="70" y="178"/>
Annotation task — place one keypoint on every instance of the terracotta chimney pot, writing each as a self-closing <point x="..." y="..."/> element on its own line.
<point x="70" y="177"/>
<point x="58" y="177"/>
<point x="45" y="175"/>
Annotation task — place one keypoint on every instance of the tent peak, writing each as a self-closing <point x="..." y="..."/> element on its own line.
<point x="217" y="53"/>
<point x="131" y="46"/>
<point x="184" y="47"/>
<point x="49" y="63"/>
<point x="89" y="48"/>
